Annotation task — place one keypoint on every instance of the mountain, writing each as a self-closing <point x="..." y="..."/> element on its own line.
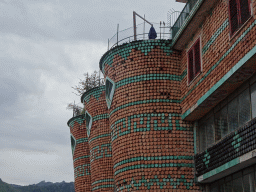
<point x="39" y="187"/>
<point x="5" y="187"/>
<point x="43" y="184"/>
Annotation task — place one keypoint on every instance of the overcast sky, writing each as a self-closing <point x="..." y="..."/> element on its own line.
<point x="45" y="47"/>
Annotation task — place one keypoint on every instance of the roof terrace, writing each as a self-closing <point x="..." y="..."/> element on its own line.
<point x="168" y="30"/>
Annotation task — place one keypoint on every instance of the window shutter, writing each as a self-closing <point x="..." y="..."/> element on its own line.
<point x="197" y="58"/>
<point x="245" y="10"/>
<point x="233" y="15"/>
<point x="190" y="66"/>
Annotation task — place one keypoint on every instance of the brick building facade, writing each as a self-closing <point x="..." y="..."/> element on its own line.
<point x="177" y="114"/>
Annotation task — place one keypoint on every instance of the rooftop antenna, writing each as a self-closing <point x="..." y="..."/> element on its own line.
<point x="134" y="23"/>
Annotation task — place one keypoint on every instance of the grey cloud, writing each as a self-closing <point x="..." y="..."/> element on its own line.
<point x="46" y="46"/>
<point x="55" y="20"/>
<point x="21" y="166"/>
<point x="69" y="20"/>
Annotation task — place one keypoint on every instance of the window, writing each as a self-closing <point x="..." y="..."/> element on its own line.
<point x="229" y="115"/>
<point x="253" y="100"/>
<point x="194" y="61"/>
<point x="110" y="89"/>
<point x="233" y="115"/>
<point x="244" y="109"/>
<point x="242" y="181"/>
<point x="239" y="12"/>
<point x="228" y="185"/>
<point x="221" y="123"/>
<point x="238" y="182"/>
<point x="206" y="133"/>
<point x="88" y="119"/>
<point x="73" y="143"/>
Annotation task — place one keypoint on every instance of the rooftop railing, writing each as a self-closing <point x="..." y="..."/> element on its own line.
<point x="164" y="31"/>
<point x="182" y="17"/>
<point x="127" y="35"/>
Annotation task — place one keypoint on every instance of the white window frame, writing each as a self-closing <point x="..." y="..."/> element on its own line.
<point x="73" y="148"/>
<point x="90" y="123"/>
<point x="110" y="98"/>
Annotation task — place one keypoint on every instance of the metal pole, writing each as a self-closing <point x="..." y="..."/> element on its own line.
<point x="108" y="43"/>
<point x="134" y="13"/>
<point x="164" y="29"/>
<point x="117" y="33"/>
<point x="160" y="29"/>
<point x="144" y="28"/>
<point x="134" y="25"/>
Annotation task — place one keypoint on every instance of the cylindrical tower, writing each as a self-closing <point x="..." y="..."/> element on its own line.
<point x="80" y="152"/>
<point x="99" y="139"/>
<point x="152" y="147"/>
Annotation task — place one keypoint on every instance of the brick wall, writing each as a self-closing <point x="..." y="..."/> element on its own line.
<point x="81" y="153"/>
<point x="219" y="52"/>
<point x="152" y="148"/>
<point x="99" y="140"/>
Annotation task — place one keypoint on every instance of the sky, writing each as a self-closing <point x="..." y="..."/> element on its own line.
<point x="45" y="48"/>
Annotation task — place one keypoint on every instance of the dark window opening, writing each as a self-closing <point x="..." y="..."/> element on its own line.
<point x="239" y="13"/>
<point x="194" y="61"/>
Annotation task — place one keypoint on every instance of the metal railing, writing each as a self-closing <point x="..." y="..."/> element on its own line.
<point x="172" y="16"/>
<point x="182" y="17"/>
<point x="175" y="20"/>
<point x="142" y="30"/>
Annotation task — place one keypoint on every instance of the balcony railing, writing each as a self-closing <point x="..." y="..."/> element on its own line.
<point x="182" y="17"/>
<point x="234" y="145"/>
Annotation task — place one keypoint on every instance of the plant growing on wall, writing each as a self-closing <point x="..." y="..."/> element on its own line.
<point x="90" y="81"/>
<point x="77" y="110"/>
